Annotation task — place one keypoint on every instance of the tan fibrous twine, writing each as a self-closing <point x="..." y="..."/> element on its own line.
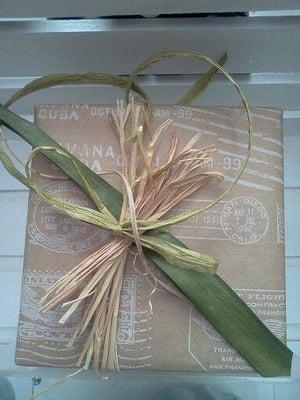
<point x="149" y="192"/>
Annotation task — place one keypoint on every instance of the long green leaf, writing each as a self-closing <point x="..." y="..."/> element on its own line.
<point x="234" y="320"/>
<point x="209" y="293"/>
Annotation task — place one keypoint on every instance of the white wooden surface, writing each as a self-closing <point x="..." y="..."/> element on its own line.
<point x="109" y="45"/>
<point x="78" y="8"/>
<point x="263" y="54"/>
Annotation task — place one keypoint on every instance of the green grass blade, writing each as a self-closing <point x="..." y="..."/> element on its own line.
<point x="230" y="316"/>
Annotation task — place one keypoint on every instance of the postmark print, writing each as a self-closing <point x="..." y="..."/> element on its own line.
<point x="244" y="220"/>
<point x="57" y="231"/>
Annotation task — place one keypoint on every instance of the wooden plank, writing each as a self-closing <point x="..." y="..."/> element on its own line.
<point x="10" y="298"/>
<point x="13" y="212"/>
<point x="287" y="392"/>
<point x="292" y="221"/>
<point x="293" y="300"/>
<point x="274" y="13"/>
<point x="291" y="129"/>
<point x="11" y="263"/>
<point x="253" y="44"/>
<point x="292" y="261"/>
<point x="270" y="90"/>
<point x="22" y="150"/>
<point x="293" y="330"/>
<point x="77" y="8"/>
<point x="291" y="122"/>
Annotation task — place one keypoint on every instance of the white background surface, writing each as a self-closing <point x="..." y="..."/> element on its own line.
<point x="263" y="53"/>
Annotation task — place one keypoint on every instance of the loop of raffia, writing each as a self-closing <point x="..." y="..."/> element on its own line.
<point x="149" y="192"/>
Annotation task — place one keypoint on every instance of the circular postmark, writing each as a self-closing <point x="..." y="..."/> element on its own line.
<point x="55" y="230"/>
<point x="244" y="220"/>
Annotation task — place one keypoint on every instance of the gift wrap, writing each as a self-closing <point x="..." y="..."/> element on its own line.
<point x="245" y="231"/>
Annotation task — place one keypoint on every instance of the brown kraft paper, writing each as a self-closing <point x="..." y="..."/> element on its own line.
<point x="244" y="231"/>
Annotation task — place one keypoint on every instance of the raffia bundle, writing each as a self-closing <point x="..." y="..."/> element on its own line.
<point x="149" y="192"/>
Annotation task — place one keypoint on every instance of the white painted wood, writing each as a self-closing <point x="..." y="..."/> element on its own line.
<point x="287" y="392"/>
<point x="280" y="90"/>
<point x="10" y="298"/>
<point x="77" y="8"/>
<point x="292" y="122"/>
<point x="293" y="330"/>
<point x="22" y="150"/>
<point x="291" y="152"/>
<point x="274" y="13"/>
<point x="292" y="221"/>
<point x="253" y="44"/>
<point x="13" y="212"/>
<point x="11" y="263"/>
<point x="293" y="301"/>
<point x="292" y="262"/>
